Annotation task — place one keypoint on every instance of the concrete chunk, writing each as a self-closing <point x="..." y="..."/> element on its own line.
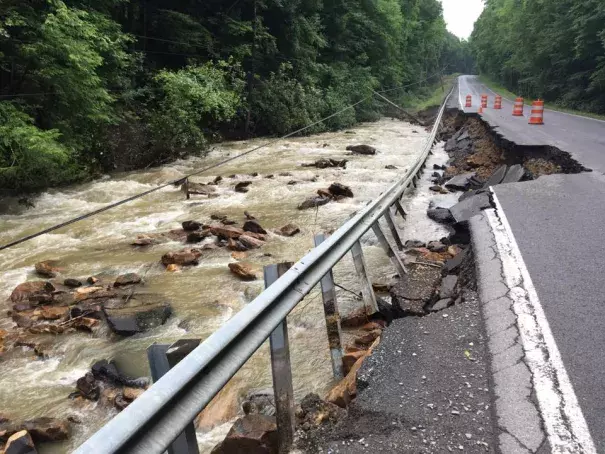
<point x="470" y="207"/>
<point x="496" y="177"/>
<point x="448" y="286"/>
<point x="515" y="174"/>
<point x="461" y="182"/>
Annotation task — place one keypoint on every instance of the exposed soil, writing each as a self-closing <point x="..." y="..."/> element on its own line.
<point x="488" y="151"/>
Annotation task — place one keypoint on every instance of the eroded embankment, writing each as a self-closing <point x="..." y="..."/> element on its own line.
<point x="430" y="346"/>
<point x="474" y="146"/>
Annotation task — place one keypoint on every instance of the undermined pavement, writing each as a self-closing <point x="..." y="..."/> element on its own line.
<point x="449" y="374"/>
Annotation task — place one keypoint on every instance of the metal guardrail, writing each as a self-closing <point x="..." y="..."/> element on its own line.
<point x="154" y="420"/>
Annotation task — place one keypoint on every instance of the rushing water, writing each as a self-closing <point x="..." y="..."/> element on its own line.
<point x="206" y="296"/>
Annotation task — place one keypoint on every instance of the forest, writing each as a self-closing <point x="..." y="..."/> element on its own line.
<point x="552" y="49"/>
<point x="92" y="86"/>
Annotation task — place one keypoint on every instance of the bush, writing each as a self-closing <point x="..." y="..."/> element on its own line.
<point x="192" y="103"/>
<point x="31" y="158"/>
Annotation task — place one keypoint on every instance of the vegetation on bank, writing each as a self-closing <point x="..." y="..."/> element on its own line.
<point x="549" y="49"/>
<point x="91" y="86"/>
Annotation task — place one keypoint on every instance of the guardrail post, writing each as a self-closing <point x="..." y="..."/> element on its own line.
<point x="281" y="370"/>
<point x="328" y="294"/>
<point x="162" y="358"/>
<point x="400" y="209"/>
<point x="393" y="229"/>
<point x="367" y="292"/>
<point x="187" y="195"/>
<point x="389" y="249"/>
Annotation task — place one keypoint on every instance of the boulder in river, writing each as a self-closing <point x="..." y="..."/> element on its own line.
<point x="20" y="443"/>
<point x="41" y="429"/>
<point x="340" y="190"/>
<point x="184" y="257"/>
<point x="137" y="315"/>
<point x="362" y="149"/>
<point x="242" y="186"/>
<point x="250" y="434"/>
<point x="250" y="242"/>
<point x="325" y="163"/>
<point x="47" y="268"/>
<point x="190" y="226"/>
<point x="72" y="283"/>
<point x="313" y="202"/>
<point x="288" y="230"/>
<point x="243" y="271"/>
<point x="127" y="279"/>
<point x="198" y="235"/>
<point x="226" y="232"/>
<point x="31" y="290"/>
<point x="107" y="371"/>
<point x="254" y="227"/>
<point x="199" y="188"/>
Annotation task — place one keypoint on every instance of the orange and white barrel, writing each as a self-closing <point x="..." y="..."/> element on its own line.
<point x="469" y="101"/>
<point x="498" y="102"/>
<point x="484" y="101"/>
<point x="537" y="113"/>
<point x="518" y="108"/>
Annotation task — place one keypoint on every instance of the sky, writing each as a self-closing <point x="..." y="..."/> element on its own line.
<point x="460" y="15"/>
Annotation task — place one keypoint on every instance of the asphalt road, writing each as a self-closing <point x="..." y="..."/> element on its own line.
<point x="582" y="137"/>
<point x="558" y="225"/>
<point x="558" y="222"/>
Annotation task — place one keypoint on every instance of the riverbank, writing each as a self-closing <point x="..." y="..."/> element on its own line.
<point x="204" y="296"/>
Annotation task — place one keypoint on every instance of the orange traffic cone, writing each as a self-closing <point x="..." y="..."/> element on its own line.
<point x="518" y="108"/>
<point x="469" y="101"/>
<point x="537" y="113"/>
<point x="484" y="101"/>
<point x="498" y="102"/>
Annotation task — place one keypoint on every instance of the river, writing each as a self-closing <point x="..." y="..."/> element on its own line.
<point x="206" y="296"/>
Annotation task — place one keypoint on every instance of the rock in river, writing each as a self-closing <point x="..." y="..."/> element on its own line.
<point x="254" y="227"/>
<point x="190" y="226"/>
<point x="47" y="268"/>
<point x="313" y="202"/>
<point x="288" y="230"/>
<point x="362" y="149"/>
<point x="30" y="290"/>
<point x="141" y="313"/>
<point x="337" y="189"/>
<point x="242" y="186"/>
<point x="127" y="279"/>
<point x="20" y="443"/>
<point x="243" y="271"/>
<point x="183" y="258"/>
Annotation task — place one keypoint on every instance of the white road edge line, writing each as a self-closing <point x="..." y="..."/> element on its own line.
<point x="566" y="428"/>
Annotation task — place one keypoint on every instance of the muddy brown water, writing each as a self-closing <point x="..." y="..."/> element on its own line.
<point x="206" y="296"/>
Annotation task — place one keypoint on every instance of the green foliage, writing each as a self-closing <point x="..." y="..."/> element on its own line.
<point x="192" y="100"/>
<point x="553" y="49"/>
<point x="126" y="83"/>
<point x="30" y="157"/>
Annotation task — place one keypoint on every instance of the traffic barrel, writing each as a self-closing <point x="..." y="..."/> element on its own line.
<point x="469" y="101"/>
<point x="498" y="102"/>
<point x="537" y="113"/>
<point x="518" y="108"/>
<point x="484" y="101"/>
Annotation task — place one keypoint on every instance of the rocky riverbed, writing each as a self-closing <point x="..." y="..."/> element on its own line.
<point x="163" y="268"/>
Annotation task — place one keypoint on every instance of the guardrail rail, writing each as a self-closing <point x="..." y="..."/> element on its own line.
<point x="161" y="414"/>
